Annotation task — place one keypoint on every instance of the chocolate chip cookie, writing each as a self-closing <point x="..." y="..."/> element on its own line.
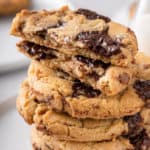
<point x="110" y="80"/>
<point x="8" y="7"/>
<point x="61" y="125"/>
<point x="80" y="32"/>
<point x="143" y="65"/>
<point x="64" y="127"/>
<point x="44" y="142"/>
<point x="66" y="94"/>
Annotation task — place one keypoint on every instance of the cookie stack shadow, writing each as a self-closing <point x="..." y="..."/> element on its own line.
<point x="88" y="87"/>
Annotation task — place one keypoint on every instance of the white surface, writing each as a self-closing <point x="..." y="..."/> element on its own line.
<point x="15" y="133"/>
<point x="141" y="26"/>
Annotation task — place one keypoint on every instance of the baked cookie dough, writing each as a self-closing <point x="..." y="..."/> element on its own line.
<point x="66" y="94"/>
<point x="8" y="7"/>
<point x="143" y="66"/>
<point x="80" y="32"/>
<point x="64" y="127"/>
<point x="109" y="79"/>
<point x="44" y="142"/>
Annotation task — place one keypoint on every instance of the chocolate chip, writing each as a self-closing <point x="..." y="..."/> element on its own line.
<point x="42" y="33"/>
<point x="124" y="78"/>
<point x="137" y="134"/>
<point x="142" y="89"/>
<point x="91" y="62"/>
<point x="84" y="89"/>
<point x="21" y="26"/>
<point x="94" y="75"/>
<point x="92" y="15"/>
<point x="141" y="141"/>
<point x="134" y="123"/>
<point x="62" y="74"/>
<point x="40" y="52"/>
<point x="100" y="42"/>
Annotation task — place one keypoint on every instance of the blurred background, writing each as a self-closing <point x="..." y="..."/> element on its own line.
<point x="13" y="65"/>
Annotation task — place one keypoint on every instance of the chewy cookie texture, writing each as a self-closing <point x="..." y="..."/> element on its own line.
<point x="109" y="79"/>
<point x="66" y="94"/>
<point x="88" y="87"/>
<point x="76" y="32"/>
<point x="64" y="127"/>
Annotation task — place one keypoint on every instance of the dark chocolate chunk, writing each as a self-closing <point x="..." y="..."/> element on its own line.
<point x="40" y="52"/>
<point x="62" y="74"/>
<point x="84" y="89"/>
<point x="142" y="89"/>
<point x="42" y="33"/>
<point x="94" y="75"/>
<point x="92" y="15"/>
<point x="134" y="123"/>
<point x="91" y="62"/>
<point x="137" y="134"/>
<point x="100" y="42"/>
<point x="140" y="141"/>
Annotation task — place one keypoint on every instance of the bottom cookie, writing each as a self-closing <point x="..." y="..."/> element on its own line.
<point x="44" y="142"/>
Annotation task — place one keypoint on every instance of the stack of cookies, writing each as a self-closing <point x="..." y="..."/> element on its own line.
<point x="87" y="87"/>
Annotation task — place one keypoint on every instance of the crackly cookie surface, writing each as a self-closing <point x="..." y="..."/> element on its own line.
<point x="66" y="94"/>
<point x="110" y="80"/>
<point x="143" y="66"/>
<point x="44" y="142"/>
<point x="8" y="7"/>
<point x="63" y="126"/>
<point x="78" y="32"/>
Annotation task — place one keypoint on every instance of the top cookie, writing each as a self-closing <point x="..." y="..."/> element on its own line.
<point x="80" y="32"/>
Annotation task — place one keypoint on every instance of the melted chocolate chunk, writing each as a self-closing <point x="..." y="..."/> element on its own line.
<point x="100" y="42"/>
<point x="91" y="62"/>
<point x="141" y="141"/>
<point x="94" y="75"/>
<point x="142" y="89"/>
<point x="83" y="89"/>
<point x="137" y="134"/>
<point x="40" y="52"/>
<point x="42" y="33"/>
<point x="62" y="74"/>
<point x="92" y="15"/>
<point x="134" y="123"/>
